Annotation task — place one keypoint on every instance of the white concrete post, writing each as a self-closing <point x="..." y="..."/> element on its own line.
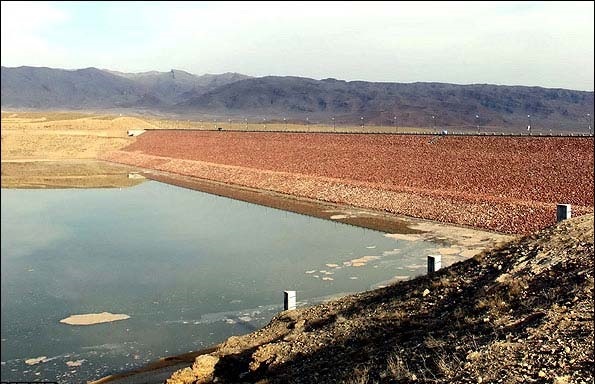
<point x="563" y="212"/>
<point x="434" y="263"/>
<point x="289" y="300"/>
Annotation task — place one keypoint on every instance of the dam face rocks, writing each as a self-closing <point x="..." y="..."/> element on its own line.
<point x="504" y="184"/>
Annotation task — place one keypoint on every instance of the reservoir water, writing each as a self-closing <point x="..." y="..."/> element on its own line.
<point x="189" y="268"/>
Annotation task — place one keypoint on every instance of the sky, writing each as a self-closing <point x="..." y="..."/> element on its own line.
<point x="548" y="44"/>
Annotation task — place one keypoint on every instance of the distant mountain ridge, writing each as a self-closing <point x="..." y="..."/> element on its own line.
<point x="176" y="86"/>
<point x="297" y="98"/>
<point x="90" y="88"/>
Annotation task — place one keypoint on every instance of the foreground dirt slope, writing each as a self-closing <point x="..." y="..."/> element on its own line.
<point x="518" y="314"/>
<point x="499" y="183"/>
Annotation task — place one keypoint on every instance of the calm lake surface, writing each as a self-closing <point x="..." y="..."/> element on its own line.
<point x="189" y="268"/>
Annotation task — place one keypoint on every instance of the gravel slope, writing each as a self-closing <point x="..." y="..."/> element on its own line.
<point x="503" y="184"/>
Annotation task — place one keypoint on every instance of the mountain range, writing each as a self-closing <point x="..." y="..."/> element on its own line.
<point x="233" y="95"/>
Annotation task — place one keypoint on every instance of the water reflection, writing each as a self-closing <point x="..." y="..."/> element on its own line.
<point x="67" y="174"/>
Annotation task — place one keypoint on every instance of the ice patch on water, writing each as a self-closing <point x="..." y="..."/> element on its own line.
<point x="75" y="363"/>
<point x="36" y="360"/>
<point x="393" y="252"/>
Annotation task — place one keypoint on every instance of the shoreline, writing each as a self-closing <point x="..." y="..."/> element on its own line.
<point x="159" y="370"/>
<point x="383" y="221"/>
<point x="400" y="306"/>
<point x="366" y="218"/>
<point x="163" y="366"/>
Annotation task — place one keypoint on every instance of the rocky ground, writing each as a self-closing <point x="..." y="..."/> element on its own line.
<point x="521" y="313"/>
<point x="503" y="184"/>
<point x="511" y="167"/>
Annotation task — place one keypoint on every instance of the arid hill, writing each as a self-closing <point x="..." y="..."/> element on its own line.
<point x="96" y="89"/>
<point x="522" y="313"/>
<point x="233" y="95"/>
<point x="404" y="104"/>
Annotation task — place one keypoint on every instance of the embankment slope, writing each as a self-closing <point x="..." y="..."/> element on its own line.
<point x="520" y="313"/>
<point x="505" y="184"/>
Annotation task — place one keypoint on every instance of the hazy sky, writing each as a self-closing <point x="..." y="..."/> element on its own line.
<point x="546" y="44"/>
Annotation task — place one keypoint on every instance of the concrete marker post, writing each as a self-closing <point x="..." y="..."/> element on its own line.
<point x="434" y="263"/>
<point x="289" y="300"/>
<point x="563" y="212"/>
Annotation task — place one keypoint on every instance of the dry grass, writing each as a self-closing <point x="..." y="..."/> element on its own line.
<point x="449" y="365"/>
<point x="432" y="343"/>
<point x="361" y="375"/>
<point x="443" y="282"/>
<point x="515" y="287"/>
<point x="397" y="369"/>
<point x="493" y="304"/>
